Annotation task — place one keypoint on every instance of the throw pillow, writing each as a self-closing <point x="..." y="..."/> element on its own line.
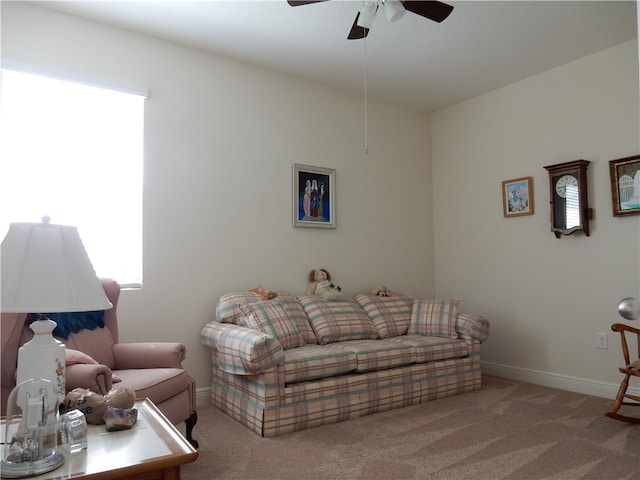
<point x="73" y="357"/>
<point x="434" y="318"/>
<point x="228" y="306"/>
<point x="337" y="321"/>
<point x="269" y="317"/>
<point x="390" y="315"/>
<point x="297" y="316"/>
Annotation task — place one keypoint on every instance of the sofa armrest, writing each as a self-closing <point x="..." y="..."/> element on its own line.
<point x="240" y="350"/>
<point x="472" y="327"/>
<point x="148" y="355"/>
<point x="92" y="376"/>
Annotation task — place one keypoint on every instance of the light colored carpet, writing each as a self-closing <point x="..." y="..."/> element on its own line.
<point x="507" y="430"/>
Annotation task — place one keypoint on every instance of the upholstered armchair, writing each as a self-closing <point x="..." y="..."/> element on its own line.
<point x="97" y="361"/>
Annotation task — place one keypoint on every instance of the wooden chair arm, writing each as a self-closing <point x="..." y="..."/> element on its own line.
<point x="622" y="329"/>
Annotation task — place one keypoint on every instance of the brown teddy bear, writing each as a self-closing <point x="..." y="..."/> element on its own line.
<point x="94" y="405"/>
<point x="264" y="293"/>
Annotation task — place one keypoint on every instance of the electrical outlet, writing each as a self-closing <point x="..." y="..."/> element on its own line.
<point x="601" y="340"/>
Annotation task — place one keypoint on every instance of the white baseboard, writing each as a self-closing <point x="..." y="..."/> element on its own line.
<point x="202" y="396"/>
<point x="563" y="382"/>
<point x="546" y="379"/>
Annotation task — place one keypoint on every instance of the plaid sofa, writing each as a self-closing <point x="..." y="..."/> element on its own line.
<point x="295" y="362"/>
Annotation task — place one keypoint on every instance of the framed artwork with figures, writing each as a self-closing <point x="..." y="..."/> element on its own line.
<point x="517" y="197"/>
<point x="625" y="185"/>
<point x="314" y="199"/>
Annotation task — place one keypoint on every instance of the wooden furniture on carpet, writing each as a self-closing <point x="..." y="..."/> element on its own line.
<point x="152" y="449"/>
<point x="631" y="369"/>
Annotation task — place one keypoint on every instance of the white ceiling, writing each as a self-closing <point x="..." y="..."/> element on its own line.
<point x="480" y="47"/>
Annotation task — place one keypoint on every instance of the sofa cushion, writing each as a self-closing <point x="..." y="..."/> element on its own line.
<point x="337" y="321"/>
<point x="269" y="317"/>
<point x="377" y="355"/>
<point x="228" y="306"/>
<point x="317" y="361"/>
<point x="72" y="357"/>
<point x="228" y="310"/>
<point x="98" y="344"/>
<point x="390" y="315"/>
<point x="435" y="318"/>
<point x="297" y="316"/>
<point x="428" y="349"/>
<point x="158" y="384"/>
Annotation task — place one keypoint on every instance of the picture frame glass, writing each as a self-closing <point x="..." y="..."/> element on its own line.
<point x="313" y="196"/>
<point x="625" y="185"/>
<point x="517" y="197"/>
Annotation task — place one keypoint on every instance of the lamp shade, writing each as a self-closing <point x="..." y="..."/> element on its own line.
<point x="45" y="269"/>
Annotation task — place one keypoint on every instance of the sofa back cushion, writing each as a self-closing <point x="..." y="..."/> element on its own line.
<point x="390" y="315"/>
<point x="297" y="316"/>
<point x="336" y="321"/>
<point x="269" y="317"/>
<point x="97" y="343"/>
<point x="434" y="318"/>
<point x="228" y="306"/>
<point x="229" y="310"/>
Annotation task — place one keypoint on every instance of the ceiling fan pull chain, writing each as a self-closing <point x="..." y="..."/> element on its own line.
<point x="366" y="126"/>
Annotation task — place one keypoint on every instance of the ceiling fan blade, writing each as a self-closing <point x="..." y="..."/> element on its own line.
<point x="295" y="3"/>
<point x="357" y="31"/>
<point x="436" y="11"/>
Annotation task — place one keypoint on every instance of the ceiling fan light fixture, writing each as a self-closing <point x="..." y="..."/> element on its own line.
<point x="394" y="10"/>
<point x="367" y="16"/>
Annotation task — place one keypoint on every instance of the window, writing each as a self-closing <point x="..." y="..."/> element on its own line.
<point x="74" y="152"/>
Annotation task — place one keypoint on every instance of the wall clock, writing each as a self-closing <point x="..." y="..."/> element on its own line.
<point x="569" y="201"/>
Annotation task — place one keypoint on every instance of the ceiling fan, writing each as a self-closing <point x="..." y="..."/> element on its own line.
<point x="393" y="9"/>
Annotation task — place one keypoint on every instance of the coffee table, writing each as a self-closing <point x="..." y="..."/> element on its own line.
<point x="152" y="449"/>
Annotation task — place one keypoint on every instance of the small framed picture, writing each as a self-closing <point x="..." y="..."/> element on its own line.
<point x="314" y="197"/>
<point x="517" y="197"/>
<point x="625" y="185"/>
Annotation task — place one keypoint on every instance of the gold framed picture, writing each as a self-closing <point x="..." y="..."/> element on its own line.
<point x="625" y="185"/>
<point x="517" y="197"/>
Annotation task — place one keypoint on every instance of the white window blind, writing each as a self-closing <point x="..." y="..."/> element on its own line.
<point x="74" y="152"/>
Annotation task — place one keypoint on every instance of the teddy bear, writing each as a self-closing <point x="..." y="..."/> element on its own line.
<point x="94" y="405"/>
<point x="320" y="284"/>
<point x="381" y="291"/>
<point x="264" y="293"/>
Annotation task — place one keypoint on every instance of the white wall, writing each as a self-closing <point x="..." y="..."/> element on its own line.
<point x="546" y="297"/>
<point x="220" y="141"/>
<point x="221" y="137"/>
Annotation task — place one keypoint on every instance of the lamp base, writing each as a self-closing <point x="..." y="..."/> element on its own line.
<point x="43" y="357"/>
<point x="19" y="469"/>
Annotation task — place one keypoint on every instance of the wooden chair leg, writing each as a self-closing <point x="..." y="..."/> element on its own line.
<point x="619" y="401"/>
<point x="190" y="423"/>
<point x="621" y="391"/>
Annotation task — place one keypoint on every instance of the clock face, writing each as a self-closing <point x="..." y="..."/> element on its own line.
<point x="563" y="182"/>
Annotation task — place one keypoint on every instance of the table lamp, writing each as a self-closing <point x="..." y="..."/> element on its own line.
<point x="44" y="269"/>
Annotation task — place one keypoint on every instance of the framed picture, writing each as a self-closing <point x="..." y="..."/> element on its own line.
<point x="625" y="185"/>
<point x="314" y="196"/>
<point x="517" y="197"/>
